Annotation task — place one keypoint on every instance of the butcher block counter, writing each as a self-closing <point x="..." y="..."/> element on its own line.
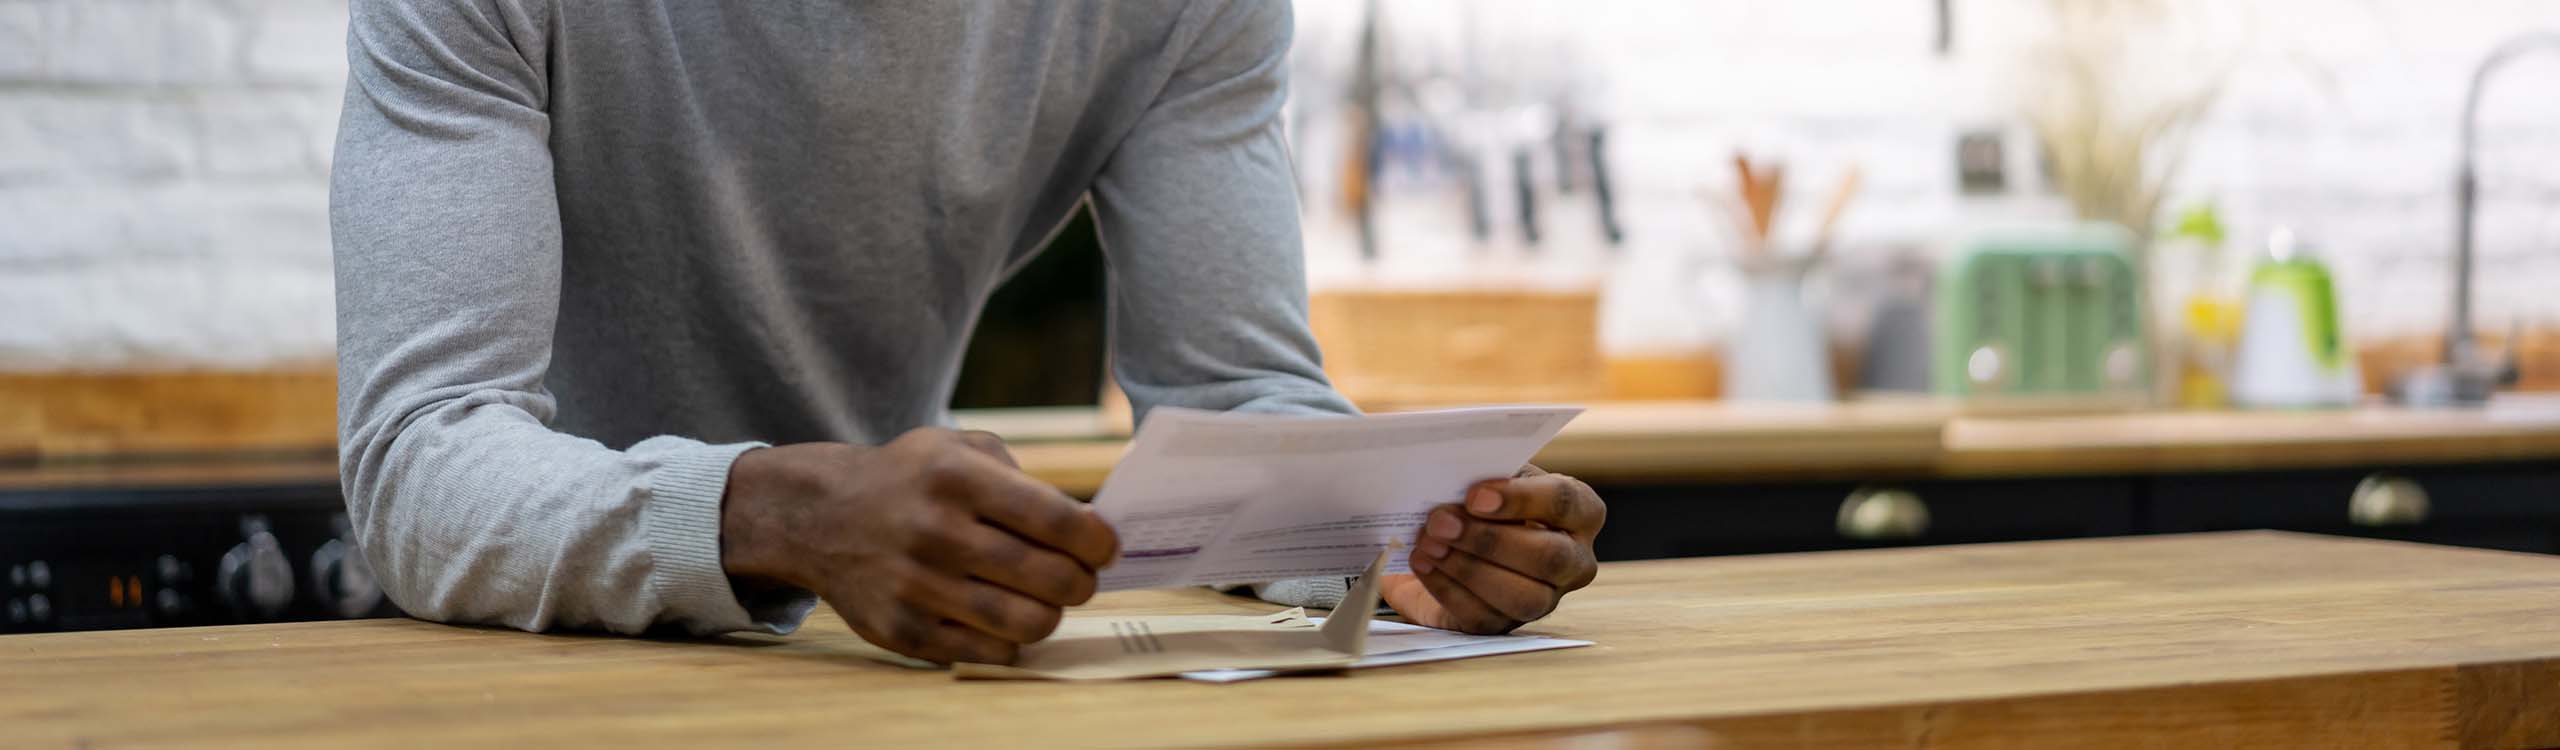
<point x="1686" y="479"/>
<point x="1690" y="479"/>
<point x="1686" y="441"/>
<point x="2209" y="640"/>
<point x="1670" y="441"/>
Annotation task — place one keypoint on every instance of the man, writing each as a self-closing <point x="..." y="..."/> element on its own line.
<point x="593" y="258"/>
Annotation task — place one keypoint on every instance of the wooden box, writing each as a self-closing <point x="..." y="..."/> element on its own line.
<point x="1389" y="348"/>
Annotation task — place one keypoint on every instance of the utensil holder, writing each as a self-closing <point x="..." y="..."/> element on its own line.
<point x="1778" y="353"/>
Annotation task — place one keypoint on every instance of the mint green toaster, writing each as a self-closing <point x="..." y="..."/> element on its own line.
<point x="2040" y="312"/>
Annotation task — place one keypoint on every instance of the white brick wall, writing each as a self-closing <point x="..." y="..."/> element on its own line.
<point x="164" y="181"/>
<point x="21" y="39"/>
<point x="2340" y="122"/>
<point x="163" y="163"/>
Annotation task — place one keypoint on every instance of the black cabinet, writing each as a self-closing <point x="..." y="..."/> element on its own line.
<point x="2511" y="506"/>
<point x="2498" y="506"/>
<point x="1657" y="521"/>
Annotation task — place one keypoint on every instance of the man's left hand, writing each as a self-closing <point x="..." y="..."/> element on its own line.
<point x="1502" y="558"/>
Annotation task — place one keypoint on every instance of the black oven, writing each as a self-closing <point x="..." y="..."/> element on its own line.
<point x="103" y="557"/>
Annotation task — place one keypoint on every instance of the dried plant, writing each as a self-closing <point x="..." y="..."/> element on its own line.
<point x="2114" y="116"/>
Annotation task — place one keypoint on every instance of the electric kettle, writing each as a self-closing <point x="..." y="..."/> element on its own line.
<point x="2292" y="352"/>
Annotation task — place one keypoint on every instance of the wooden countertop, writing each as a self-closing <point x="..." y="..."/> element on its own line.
<point x="2215" y="441"/>
<point x="182" y="472"/>
<point x="1668" y="441"/>
<point x="2215" y="640"/>
<point x="1673" y="442"/>
<point x="1710" y="441"/>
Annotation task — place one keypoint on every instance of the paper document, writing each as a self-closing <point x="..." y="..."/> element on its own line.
<point x="1207" y="498"/>
<point x="1393" y="643"/>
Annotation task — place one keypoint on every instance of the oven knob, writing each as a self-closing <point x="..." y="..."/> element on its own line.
<point x="255" y="577"/>
<point x="341" y="580"/>
<point x="29" y="613"/>
<point x="169" y="599"/>
<point x="173" y="571"/>
<point x="171" y="604"/>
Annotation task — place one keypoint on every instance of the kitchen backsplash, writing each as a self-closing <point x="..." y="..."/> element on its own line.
<point x="164" y="181"/>
<point x="163" y="163"/>
<point x="2338" y="119"/>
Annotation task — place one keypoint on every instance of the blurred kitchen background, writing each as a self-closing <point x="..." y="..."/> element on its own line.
<point x="163" y="168"/>
<point x="2204" y="127"/>
<point x="1813" y="259"/>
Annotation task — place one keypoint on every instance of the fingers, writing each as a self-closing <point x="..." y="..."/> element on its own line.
<point x="1461" y="609"/>
<point x="1552" y="499"/>
<point x="1544" y="555"/>
<point x="918" y="635"/>
<point x="979" y="605"/>
<point x="1514" y="596"/>
<point x="997" y="556"/>
<point x="1038" y="512"/>
<point x="988" y="443"/>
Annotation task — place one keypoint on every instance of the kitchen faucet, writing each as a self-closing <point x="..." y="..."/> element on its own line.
<point x="2465" y="376"/>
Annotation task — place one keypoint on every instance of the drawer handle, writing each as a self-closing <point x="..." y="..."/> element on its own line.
<point x="1883" y="514"/>
<point x="2387" y="500"/>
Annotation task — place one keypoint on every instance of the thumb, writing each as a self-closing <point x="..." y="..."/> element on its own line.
<point x="1405" y="593"/>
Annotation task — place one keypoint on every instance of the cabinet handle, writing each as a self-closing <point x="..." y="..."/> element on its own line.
<point x="1883" y="514"/>
<point x="2387" y="500"/>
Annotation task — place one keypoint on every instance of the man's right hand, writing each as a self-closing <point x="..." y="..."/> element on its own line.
<point x="935" y="545"/>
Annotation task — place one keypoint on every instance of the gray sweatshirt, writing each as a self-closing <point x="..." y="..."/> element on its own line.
<point x="587" y="253"/>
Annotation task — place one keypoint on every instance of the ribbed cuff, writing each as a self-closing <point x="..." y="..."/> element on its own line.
<point x="682" y="525"/>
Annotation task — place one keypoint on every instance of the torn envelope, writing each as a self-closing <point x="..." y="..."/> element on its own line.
<point x="1395" y="643"/>
<point x="1125" y="647"/>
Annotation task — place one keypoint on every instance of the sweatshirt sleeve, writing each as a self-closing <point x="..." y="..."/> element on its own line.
<point x="468" y="507"/>
<point x="1199" y="221"/>
<point x="1198" y="214"/>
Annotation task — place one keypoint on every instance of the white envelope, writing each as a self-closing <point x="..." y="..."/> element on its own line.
<point x="1128" y="647"/>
